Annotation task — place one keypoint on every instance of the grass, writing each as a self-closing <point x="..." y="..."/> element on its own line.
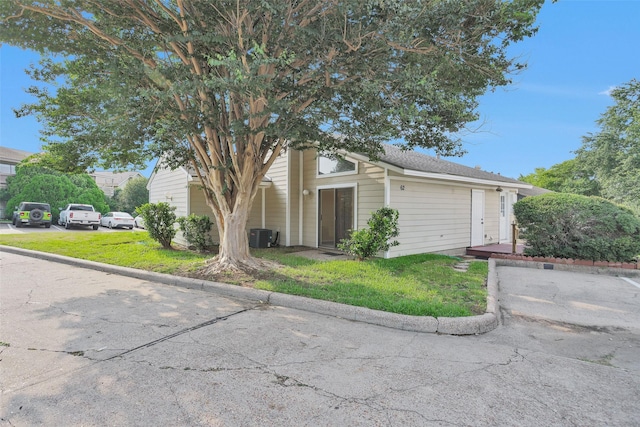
<point x="421" y="285"/>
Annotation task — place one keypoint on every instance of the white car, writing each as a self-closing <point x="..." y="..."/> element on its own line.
<point x="117" y="220"/>
<point x="138" y="222"/>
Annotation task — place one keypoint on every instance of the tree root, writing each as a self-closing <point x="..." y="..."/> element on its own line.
<point x="250" y="265"/>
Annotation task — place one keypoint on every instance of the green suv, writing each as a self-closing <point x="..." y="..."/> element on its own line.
<point x="31" y="213"/>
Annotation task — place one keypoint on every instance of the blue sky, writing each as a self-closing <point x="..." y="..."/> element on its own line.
<point x="582" y="49"/>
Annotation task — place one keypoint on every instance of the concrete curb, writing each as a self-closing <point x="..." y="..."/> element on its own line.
<point x="548" y="265"/>
<point x="445" y="325"/>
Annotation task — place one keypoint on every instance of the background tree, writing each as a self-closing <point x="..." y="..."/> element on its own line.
<point x="608" y="162"/>
<point x="35" y="183"/>
<point x="133" y="194"/>
<point x="570" y="176"/>
<point x="226" y="86"/>
<point x="613" y="153"/>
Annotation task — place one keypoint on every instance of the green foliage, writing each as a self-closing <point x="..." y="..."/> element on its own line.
<point x="613" y="153"/>
<point x="365" y="243"/>
<point x="35" y="183"/>
<point x="419" y="285"/>
<point x="574" y="226"/>
<point x="570" y="176"/>
<point x="133" y="194"/>
<point x="195" y="229"/>
<point x="224" y="85"/>
<point x="159" y="220"/>
<point x="608" y="162"/>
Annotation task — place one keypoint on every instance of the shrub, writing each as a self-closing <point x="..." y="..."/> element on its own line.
<point x="383" y="226"/>
<point x="159" y="220"/>
<point x="573" y="226"/>
<point x="195" y="229"/>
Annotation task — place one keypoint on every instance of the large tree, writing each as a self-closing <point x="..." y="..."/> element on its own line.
<point x="613" y="153"/>
<point x="228" y="85"/>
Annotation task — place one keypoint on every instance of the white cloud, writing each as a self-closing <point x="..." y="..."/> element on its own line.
<point x="608" y="91"/>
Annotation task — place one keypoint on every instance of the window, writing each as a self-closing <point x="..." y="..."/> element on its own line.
<point x="7" y="169"/>
<point x="332" y="165"/>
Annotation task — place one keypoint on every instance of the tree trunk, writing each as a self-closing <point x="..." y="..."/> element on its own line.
<point x="233" y="252"/>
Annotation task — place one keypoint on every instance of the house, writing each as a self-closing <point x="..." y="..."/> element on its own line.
<point x="314" y="200"/>
<point x="9" y="158"/>
<point x="109" y="181"/>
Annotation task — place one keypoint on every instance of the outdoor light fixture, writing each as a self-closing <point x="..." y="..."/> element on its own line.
<point x="499" y="189"/>
<point x="305" y="192"/>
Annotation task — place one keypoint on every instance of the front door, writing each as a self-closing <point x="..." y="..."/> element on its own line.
<point x="477" y="217"/>
<point x="335" y="215"/>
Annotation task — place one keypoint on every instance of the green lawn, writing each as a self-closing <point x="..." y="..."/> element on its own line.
<point x="423" y="285"/>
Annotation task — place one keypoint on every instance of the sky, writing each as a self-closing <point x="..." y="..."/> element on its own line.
<point x="582" y="50"/>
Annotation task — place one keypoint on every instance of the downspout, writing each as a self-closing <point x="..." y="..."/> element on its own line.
<point x="287" y="225"/>
<point x="264" y="209"/>
<point x="387" y="198"/>
<point x="300" y="198"/>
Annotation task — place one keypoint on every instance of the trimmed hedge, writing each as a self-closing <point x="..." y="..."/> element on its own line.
<point x="573" y="226"/>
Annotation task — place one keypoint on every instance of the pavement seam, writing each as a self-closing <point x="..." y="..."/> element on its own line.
<point x="178" y="333"/>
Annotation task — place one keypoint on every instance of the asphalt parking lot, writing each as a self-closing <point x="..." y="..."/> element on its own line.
<point x="82" y="347"/>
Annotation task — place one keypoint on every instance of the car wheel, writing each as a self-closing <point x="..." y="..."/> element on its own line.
<point x="67" y="225"/>
<point x="36" y="215"/>
<point x="95" y="227"/>
<point x="18" y="223"/>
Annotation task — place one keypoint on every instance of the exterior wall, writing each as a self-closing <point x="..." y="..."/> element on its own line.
<point x="433" y="217"/>
<point x="198" y="206"/>
<point x="369" y="193"/>
<point x="170" y="186"/>
<point x="277" y="198"/>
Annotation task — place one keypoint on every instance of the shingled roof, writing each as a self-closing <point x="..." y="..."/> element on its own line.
<point x="419" y="162"/>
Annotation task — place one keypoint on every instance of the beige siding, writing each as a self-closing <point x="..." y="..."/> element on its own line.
<point x="432" y="217"/>
<point x="198" y="206"/>
<point x="170" y="186"/>
<point x="277" y="198"/>
<point x="295" y="196"/>
<point x="369" y="193"/>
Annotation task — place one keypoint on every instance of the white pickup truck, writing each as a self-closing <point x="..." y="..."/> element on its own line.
<point x="77" y="214"/>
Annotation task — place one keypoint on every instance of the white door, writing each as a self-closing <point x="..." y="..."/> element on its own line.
<point x="507" y="199"/>
<point x="505" y="235"/>
<point x="477" y="217"/>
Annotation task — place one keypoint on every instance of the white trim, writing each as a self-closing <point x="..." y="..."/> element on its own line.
<point x="441" y="176"/>
<point x="332" y="175"/>
<point x="287" y="220"/>
<point x="264" y="209"/>
<point x="445" y="177"/>
<point x="300" y="198"/>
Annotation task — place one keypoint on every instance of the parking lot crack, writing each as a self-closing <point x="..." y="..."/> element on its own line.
<point x="181" y="332"/>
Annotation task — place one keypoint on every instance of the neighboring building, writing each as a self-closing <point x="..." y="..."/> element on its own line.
<point x="314" y="201"/>
<point x="109" y="181"/>
<point x="9" y="158"/>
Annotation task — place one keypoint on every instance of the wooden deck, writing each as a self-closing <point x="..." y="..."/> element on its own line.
<point x="486" y="251"/>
